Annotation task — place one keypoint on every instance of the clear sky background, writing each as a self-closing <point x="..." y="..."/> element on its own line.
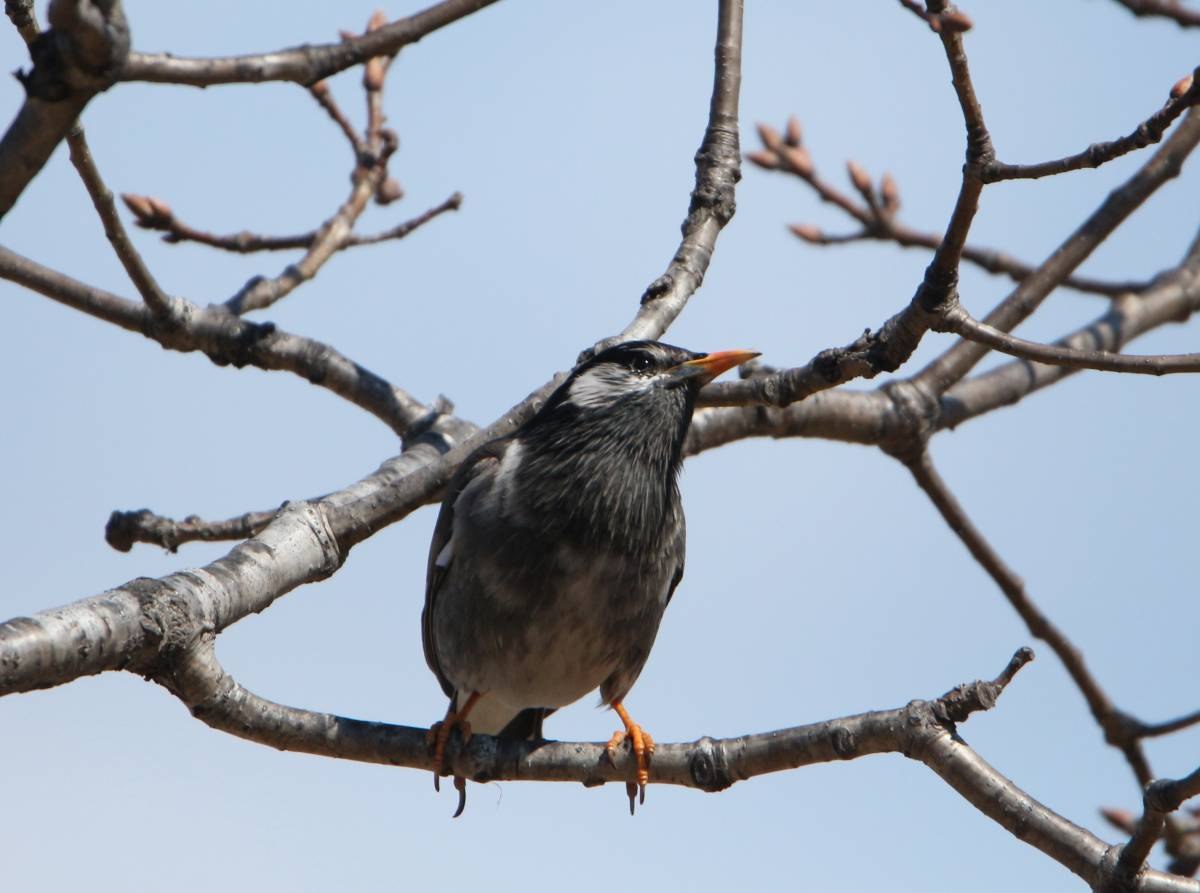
<point x="820" y="581"/>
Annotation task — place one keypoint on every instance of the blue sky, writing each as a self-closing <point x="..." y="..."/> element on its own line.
<point x="820" y="581"/>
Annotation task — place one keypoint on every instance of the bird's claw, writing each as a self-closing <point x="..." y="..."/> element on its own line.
<point x="642" y="746"/>
<point x="460" y="784"/>
<point x="436" y="739"/>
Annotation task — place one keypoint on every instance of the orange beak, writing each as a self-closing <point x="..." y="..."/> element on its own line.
<point x="709" y="366"/>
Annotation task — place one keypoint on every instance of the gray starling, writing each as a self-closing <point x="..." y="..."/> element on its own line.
<point x="558" y="547"/>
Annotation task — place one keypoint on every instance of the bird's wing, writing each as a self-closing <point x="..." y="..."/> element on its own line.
<point x="441" y="549"/>
<point x="677" y="551"/>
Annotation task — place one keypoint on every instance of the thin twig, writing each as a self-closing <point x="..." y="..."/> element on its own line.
<point x="226" y="340"/>
<point x="144" y="526"/>
<point x="1174" y="298"/>
<point x="1111" y="720"/>
<point x="1166" y="163"/>
<point x="154" y="214"/>
<point x="262" y="292"/>
<point x="1154" y="730"/>
<point x="885" y="227"/>
<point x="1161" y="797"/>
<point x="1145" y="134"/>
<point x="960" y="322"/>
<point x="950" y="20"/>
<point x="321" y="93"/>
<point x="303" y="65"/>
<point x="1172" y="10"/>
<point x="712" y="205"/>
<point x="102" y="198"/>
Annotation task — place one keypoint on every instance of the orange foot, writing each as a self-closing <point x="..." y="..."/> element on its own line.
<point x="643" y="748"/>
<point x="439" y="734"/>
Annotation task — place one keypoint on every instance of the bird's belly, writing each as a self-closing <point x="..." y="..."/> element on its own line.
<point x="547" y="636"/>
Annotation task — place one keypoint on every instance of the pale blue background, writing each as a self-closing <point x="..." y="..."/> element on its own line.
<point x="820" y="581"/>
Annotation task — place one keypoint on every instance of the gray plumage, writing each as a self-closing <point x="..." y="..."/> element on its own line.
<point x="558" y="547"/>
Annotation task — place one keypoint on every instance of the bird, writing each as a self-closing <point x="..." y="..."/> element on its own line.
<point x="558" y="547"/>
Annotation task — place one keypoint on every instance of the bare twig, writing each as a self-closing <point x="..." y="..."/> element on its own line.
<point x="1161" y="798"/>
<point x="882" y="225"/>
<point x="226" y="340"/>
<point x="321" y="93"/>
<point x="1118" y="730"/>
<point x="960" y="322"/>
<point x="1166" y="163"/>
<point x="953" y="20"/>
<point x="1174" y="298"/>
<point x="304" y="65"/>
<point x="1169" y="727"/>
<point x="1173" y="10"/>
<point x="102" y="198"/>
<point x="144" y="526"/>
<point x="1145" y="134"/>
<point x="718" y="169"/>
<point x="330" y="238"/>
<point x="154" y="214"/>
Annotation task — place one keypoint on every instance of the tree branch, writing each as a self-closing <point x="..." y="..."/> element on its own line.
<point x="718" y="170"/>
<point x="226" y="340"/>
<point x="1161" y="798"/>
<point x="960" y="322"/>
<point x="1149" y="132"/>
<point x="154" y="214"/>
<point x="1174" y="298"/>
<point x="144" y="526"/>
<point x="1166" y="164"/>
<point x="304" y="65"/>
<point x="102" y="198"/>
<point x="1168" y="9"/>
<point x="77" y="58"/>
<point x="1117" y="730"/>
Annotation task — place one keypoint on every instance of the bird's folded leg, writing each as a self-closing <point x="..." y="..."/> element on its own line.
<point x="642" y="746"/>
<point x="437" y="737"/>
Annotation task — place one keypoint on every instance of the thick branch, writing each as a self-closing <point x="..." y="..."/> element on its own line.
<point x="304" y="65"/>
<point x="923" y="730"/>
<point x="76" y="59"/>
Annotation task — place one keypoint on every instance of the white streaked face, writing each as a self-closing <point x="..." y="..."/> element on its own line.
<point x="605" y="384"/>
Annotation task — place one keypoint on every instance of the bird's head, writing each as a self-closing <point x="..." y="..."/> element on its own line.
<point x="647" y="370"/>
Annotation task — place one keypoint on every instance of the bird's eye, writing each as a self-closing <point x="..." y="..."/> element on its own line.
<point x="641" y="364"/>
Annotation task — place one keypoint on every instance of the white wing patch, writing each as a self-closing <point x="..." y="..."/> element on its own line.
<point x="601" y="386"/>
<point x="447" y="553"/>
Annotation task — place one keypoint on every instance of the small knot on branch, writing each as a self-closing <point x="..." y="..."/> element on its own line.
<point x="963" y="700"/>
<point x="708" y="767"/>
